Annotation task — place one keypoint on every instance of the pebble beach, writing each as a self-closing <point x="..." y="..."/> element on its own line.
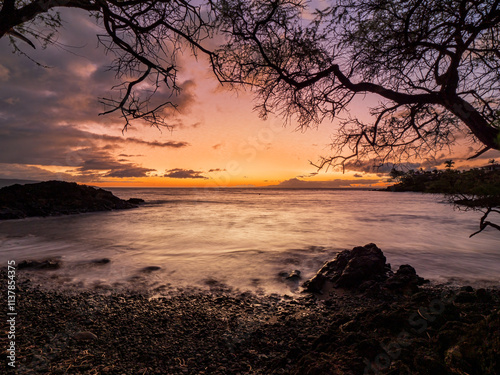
<point x="434" y="330"/>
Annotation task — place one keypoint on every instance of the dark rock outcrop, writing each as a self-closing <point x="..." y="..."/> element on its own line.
<point x="47" y="264"/>
<point x="405" y="278"/>
<point x="53" y="198"/>
<point x="136" y="201"/>
<point x="351" y="268"/>
<point x="363" y="267"/>
<point x="294" y="275"/>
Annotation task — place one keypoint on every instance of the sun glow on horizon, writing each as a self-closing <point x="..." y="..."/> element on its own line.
<point x="216" y="138"/>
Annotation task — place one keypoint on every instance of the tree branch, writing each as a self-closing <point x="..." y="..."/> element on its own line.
<point x="484" y="224"/>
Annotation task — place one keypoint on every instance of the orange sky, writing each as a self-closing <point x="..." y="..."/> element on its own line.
<point x="50" y="127"/>
<point x="229" y="144"/>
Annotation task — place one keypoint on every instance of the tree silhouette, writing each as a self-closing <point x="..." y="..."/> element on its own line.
<point x="433" y="63"/>
<point x="476" y="189"/>
<point x="144" y="35"/>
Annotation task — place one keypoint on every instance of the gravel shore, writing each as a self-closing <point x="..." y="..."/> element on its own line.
<point x="436" y="330"/>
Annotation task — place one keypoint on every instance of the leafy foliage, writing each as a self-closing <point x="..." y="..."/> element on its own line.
<point x="477" y="189"/>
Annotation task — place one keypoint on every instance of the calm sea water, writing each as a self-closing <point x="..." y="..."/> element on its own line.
<point x="244" y="238"/>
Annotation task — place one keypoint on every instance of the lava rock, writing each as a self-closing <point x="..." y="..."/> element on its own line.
<point x="465" y="297"/>
<point x="478" y="351"/>
<point x="483" y="295"/>
<point x="294" y="275"/>
<point x="54" y="198"/>
<point x="406" y="279"/>
<point x="136" y="201"/>
<point x="7" y="213"/>
<point x="48" y="264"/>
<point x="351" y="268"/>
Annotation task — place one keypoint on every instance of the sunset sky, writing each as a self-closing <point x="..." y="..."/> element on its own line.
<point x="50" y="128"/>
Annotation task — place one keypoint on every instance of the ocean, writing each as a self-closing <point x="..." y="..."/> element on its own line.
<point x="247" y="239"/>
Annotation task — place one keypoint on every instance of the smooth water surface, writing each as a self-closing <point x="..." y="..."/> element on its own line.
<point x="245" y="237"/>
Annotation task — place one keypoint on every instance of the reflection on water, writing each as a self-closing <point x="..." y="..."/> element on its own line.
<point x="246" y="237"/>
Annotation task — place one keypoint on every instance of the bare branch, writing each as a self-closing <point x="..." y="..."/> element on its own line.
<point x="145" y="35"/>
<point x="484" y="224"/>
<point x="436" y="61"/>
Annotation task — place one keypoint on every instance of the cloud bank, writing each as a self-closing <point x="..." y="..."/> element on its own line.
<point x="47" y="113"/>
<point x="183" y="173"/>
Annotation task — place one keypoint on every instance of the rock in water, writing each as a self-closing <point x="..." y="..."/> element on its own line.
<point x="48" y="264"/>
<point x="351" y="268"/>
<point x="136" y="201"/>
<point x="151" y="269"/>
<point x="363" y="268"/>
<point x="366" y="263"/>
<point x="54" y="198"/>
<point x="294" y="275"/>
<point x="101" y="261"/>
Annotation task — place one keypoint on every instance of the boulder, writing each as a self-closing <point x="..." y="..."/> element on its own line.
<point x="351" y="268"/>
<point x="364" y="268"/>
<point x="365" y="263"/>
<point x="294" y="275"/>
<point x="48" y="264"/>
<point x="405" y="278"/>
<point x="151" y="268"/>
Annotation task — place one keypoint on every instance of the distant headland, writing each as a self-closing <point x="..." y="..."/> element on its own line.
<point x="478" y="187"/>
<point x="54" y="198"/>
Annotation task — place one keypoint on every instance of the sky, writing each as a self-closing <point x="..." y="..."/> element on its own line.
<point x="50" y="127"/>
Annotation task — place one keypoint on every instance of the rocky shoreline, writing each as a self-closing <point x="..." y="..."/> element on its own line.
<point x="376" y="324"/>
<point x="55" y="198"/>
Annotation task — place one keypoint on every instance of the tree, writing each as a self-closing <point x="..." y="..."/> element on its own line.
<point x="433" y="63"/>
<point x="476" y="189"/>
<point x="396" y="174"/>
<point x="144" y="35"/>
